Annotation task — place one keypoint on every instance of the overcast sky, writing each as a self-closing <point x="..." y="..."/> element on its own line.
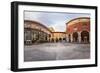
<point x="51" y="19"/>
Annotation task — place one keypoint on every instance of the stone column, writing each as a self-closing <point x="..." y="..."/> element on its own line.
<point x="71" y="37"/>
<point x="67" y="38"/>
<point x="79" y="37"/>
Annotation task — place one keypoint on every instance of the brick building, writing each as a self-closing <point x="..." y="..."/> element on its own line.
<point x="78" y="30"/>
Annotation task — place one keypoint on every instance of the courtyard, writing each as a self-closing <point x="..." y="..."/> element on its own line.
<point x="56" y="51"/>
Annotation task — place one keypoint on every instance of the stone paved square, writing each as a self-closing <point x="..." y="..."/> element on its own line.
<point x="56" y="51"/>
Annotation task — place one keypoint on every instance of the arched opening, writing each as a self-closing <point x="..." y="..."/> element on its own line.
<point x="52" y="40"/>
<point x="60" y="39"/>
<point x="57" y="39"/>
<point x="27" y="36"/>
<point x="85" y="36"/>
<point x="64" y="39"/>
<point x="49" y="37"/>
<point x="75" y="37"/>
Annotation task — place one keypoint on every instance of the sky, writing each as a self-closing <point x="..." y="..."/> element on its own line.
<point x="57" y="20"/>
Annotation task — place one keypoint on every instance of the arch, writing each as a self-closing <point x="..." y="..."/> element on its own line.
<point x="60" y="39"/>
<point x="56" y="39"/>
<point x="37" y="24"/>
<point x="27" y="36"/>
<point x="85" y="36"/>
<point x="71" y="22"/>
<point x="75" y="37"/>
<point x="52" y="39"/>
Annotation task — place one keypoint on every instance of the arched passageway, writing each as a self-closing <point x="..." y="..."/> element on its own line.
<point x="75" y="37"/>
<point x="85" y="36"/>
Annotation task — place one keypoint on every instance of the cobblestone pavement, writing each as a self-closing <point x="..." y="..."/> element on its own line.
<point x="56" y="51"/>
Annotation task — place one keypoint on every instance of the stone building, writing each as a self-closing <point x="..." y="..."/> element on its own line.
<point x="58" y="37"/>
<point x="78" y="30"/>
<point x="35" y="32"/>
